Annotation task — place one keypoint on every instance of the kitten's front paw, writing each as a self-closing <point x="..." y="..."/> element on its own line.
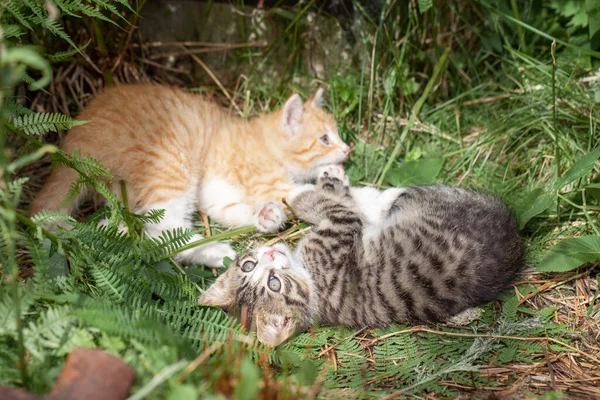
<point x="334" y="180"/>
<point x="334" y="171"/>
<point x="271" y="218"/>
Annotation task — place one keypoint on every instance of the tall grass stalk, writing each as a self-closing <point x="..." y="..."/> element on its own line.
<point x="437" y="73"/>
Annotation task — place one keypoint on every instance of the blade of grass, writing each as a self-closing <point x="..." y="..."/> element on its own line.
<point x="437" y="73"/>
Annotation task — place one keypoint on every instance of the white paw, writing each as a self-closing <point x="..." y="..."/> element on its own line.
<point x="335" y="171"/>
<point x="211" y="254"/>
<point x="298" y="190"/>
<point x="271" y="218"/>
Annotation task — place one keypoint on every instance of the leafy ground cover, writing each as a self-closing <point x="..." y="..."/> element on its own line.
<point x="468" y="93"/>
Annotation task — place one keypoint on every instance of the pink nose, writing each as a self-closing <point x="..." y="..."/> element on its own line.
<point x="270" y="254"/>
<point x="345" y="149"/>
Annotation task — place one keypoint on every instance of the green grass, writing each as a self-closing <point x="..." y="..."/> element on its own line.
<point x="497" y="116"/>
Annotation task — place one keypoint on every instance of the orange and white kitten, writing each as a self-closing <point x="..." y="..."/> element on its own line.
<point x="177" y="151"/>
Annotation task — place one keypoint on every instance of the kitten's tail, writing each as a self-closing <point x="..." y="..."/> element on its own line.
<point x="53" y="195"/>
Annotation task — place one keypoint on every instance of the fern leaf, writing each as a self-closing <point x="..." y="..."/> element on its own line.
<point x="126" y="4"/>
<point x="10" y="108"/>
<point x="8" y="310"/>
<point x="120" y="320"/>
<point x="57" y="29"/>
<point x="76" y="8"/>
<point x="39" y="123"/>
<point x="106" y="5"/>
<point x="108" y="281"/>
<point x="168" y="243"/>
<point x="14" y="10"/>
<point x="49" y="331"/>
<point x="11" y="30"/>
<point x="46" y="217"/>
<point x="66" y="55"/>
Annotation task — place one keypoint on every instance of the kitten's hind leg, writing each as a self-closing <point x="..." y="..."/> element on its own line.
<point x="178" y="212"/>
<point x="227" y="205"/>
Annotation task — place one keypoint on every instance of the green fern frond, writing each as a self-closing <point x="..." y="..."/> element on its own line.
<point x="14" y="189"/>
<point x="11" y="107"/>
<point x="126" y="4"/>
<point x="39" y="123"/>
<point x="46" y="217"/>
<point x="167" y="243"/>
<point x="106" y="5"/>
<point x="199" y="324"/>
<point x="107" y="280"/>
<point x="123" y="321"/>
<point x="56" y="28"/>
<point x="8" y="314"/>
<point x="509" y="308"/>
<point x="84" y="165"/>
<point x="168" y="287"/>
<point x="76" y="8"/>
<point x="66" y="55"/>
<point x="9" y="375"/>
<point x="151" y="217"/>
<point x="11" y="30"/>
<point x="14" y="9"/>
<point x="49" y="331"/>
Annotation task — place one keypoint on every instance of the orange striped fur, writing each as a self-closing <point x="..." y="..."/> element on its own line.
<point x="177" y="151"/>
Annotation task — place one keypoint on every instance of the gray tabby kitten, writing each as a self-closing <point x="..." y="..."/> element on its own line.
<point x="406" y="255"/>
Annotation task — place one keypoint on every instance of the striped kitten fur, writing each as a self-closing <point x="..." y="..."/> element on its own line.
<point x="405" y="255"/>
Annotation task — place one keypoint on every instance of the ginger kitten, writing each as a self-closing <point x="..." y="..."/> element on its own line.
<point x="177" y="151"/>
<point x="373" y="258"/>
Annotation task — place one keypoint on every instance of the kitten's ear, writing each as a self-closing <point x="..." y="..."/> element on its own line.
<point x="292" y="114"/>
<point x="317" y="100"/>
<point x="273" y="329"/>
<point x="220" y="294"/>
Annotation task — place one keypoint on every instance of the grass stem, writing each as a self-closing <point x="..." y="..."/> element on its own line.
<point x="221" y="236"/>
<point x="437" y="73"/>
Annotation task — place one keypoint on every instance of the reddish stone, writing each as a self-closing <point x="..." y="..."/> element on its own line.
<point x="93" y="374"/>
<point x="9" y="393"/>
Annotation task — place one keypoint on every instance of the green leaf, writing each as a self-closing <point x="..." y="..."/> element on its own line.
<point x="536" y="202"/>
<point x="390" y="81"/>
<point x="247" y="389"/>
<point x="307" y="372"/>
<point x="593" y="14"/>
<point x="425" y="5"/>
<point x="418" y="172"/>
<point x="571" y="253"/>
<point x="195" y="274"/>
<point x="227" y="262"/>
<point x="58" y="266"/>
<point x="22" y="57"/>
<point x="165" y="267"/>
<point x="594" y="190"/>
<point x="183" y="392"/>
<point x="581" y="167"/>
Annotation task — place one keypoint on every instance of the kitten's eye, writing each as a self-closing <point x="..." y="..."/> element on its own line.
<point x="324" y="139"/>
<point x="274" y="283"/>
<point x="248" y="266"/>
